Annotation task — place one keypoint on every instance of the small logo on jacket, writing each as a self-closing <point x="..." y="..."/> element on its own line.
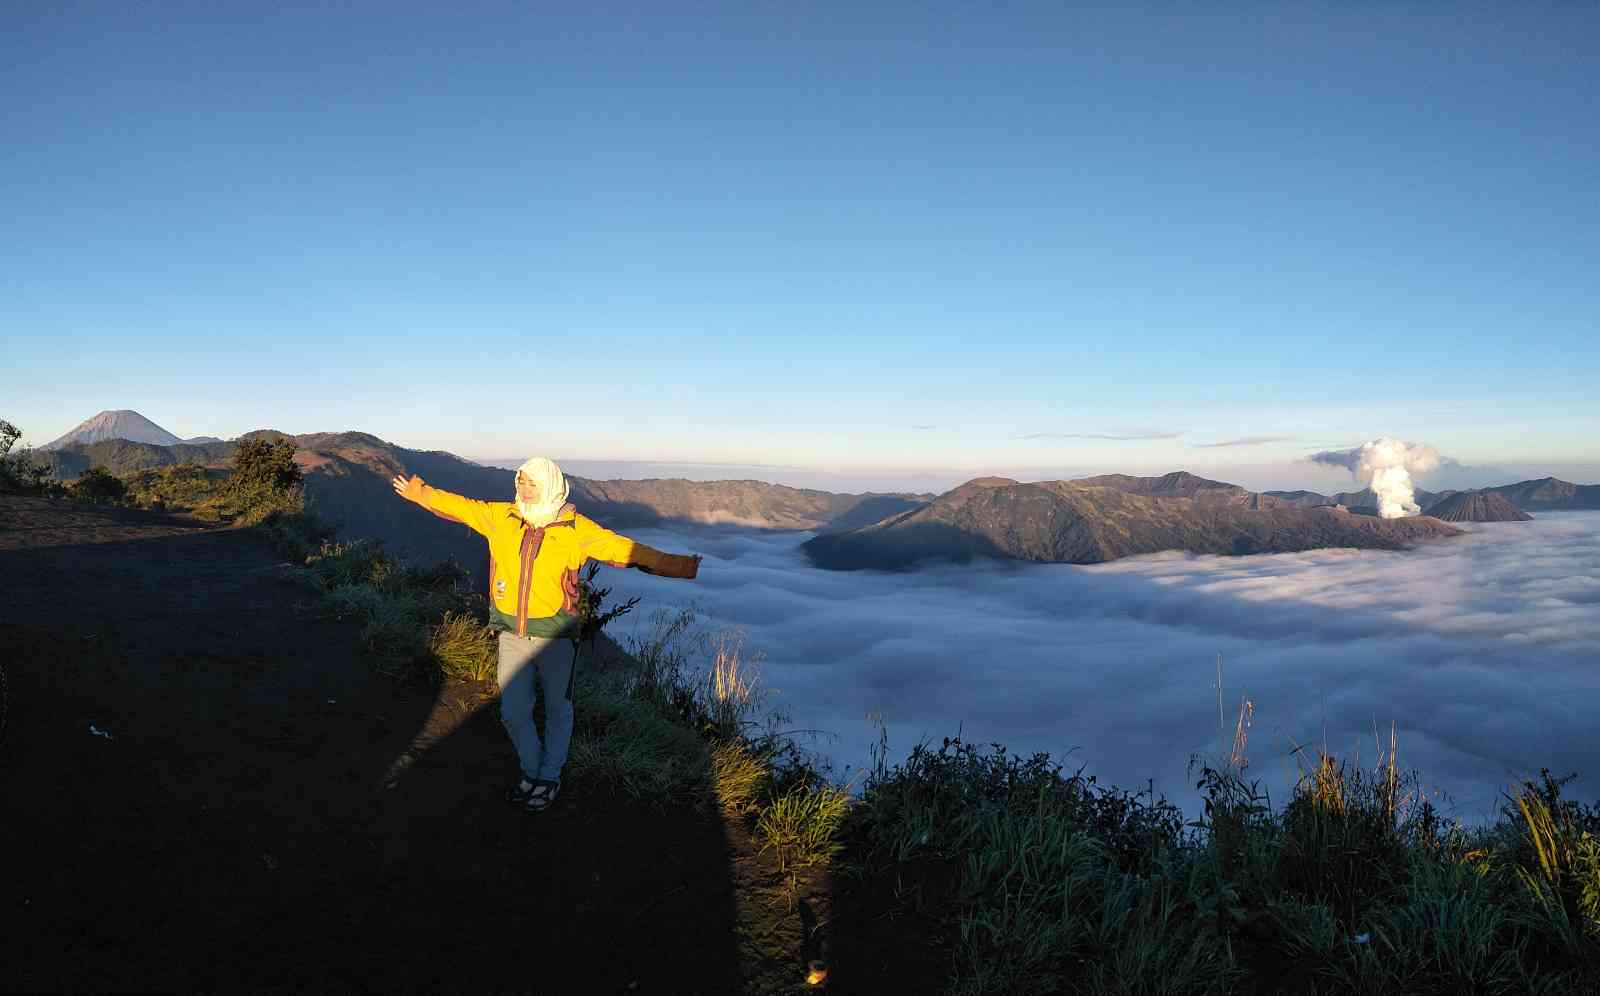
<point x="500" y="586"/>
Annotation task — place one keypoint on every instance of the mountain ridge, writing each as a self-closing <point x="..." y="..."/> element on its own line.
<point x="1074" y="522"/>
<point x="1096" y="518"/>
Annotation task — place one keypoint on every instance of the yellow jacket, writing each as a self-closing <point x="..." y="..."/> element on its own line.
<point x="533" y="572"/>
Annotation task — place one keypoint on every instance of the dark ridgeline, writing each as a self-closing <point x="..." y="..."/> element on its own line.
<point x="1084" y="521"/>
<point x="1080" y="523"/>
<point x="1549" y="494"/>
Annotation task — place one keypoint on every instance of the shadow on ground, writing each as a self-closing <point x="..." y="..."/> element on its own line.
<point x="201" y="792"/>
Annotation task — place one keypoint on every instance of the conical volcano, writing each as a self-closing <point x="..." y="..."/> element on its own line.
<point x="121" y="424"/>
<point x="1477" y="506"/>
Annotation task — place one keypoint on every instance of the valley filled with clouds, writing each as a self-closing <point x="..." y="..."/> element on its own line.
<point x="1481" y="649"/>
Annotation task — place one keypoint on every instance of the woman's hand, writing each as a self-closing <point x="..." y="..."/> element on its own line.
<point x="410" y="490"/>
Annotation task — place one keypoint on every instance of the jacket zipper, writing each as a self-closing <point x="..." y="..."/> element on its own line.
<point x="522" y="582"/>
<point x="532" y="540"/>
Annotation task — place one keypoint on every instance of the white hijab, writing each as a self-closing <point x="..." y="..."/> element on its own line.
<point x="552" y="485"/>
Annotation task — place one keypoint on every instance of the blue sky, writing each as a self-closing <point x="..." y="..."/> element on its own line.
<point x="871" y="241"/>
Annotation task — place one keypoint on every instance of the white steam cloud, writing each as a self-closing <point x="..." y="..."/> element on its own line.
<point x="1385" y="465"/>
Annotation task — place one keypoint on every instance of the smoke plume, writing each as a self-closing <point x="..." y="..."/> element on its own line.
<point x="1385" y="465"/>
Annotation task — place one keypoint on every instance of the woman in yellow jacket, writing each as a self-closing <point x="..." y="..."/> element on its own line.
<point x="537" y="544"/>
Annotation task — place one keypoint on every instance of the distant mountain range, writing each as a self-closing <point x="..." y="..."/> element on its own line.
<point x="1082" y="521"/>
<point x="348" y="474"/>
<point x="1547" y="494"/>
<point x="1182" y="484"/>
<point x="1364" y="501"/>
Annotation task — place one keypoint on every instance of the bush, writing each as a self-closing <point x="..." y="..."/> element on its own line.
<point x="99" y="485"/>
<point x="177" y="486"/>
<point x="266" y="482"/>
<point x="593" y="614"/>
<point x="263" y="465"/>
<point x="1342" y="845"/>
<point x="21" y="472"/>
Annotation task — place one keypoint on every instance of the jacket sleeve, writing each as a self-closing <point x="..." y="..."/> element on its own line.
<point x="473" y="513"/>
<point x="596" y="542"/>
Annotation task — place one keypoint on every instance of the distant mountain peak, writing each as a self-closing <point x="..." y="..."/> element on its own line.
<point x="1477" y="506"/>
<point x="988" y="482"/>
<point x="119" y="423"/>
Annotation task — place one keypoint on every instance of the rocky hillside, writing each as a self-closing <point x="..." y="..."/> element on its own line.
<point x="1182" y="484"/>
<point x="124" y="456"/>
<point x="1549" y="494"/>
<point x="1477" y="506"/>
<point x="739" y="503"/>
<point x="1072" y="522"/>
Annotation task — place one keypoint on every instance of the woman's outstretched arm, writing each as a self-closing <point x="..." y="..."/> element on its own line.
<point x="475" y="514"/>
<point x="599" y="543"/>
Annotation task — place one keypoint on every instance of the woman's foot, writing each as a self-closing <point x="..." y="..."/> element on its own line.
<point x="541" y="795"/>
<point x="517" y="794"/>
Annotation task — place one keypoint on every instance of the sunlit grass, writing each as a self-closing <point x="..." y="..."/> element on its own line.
<point x="463" y="648"/>
<point x="1043" y="881"/>
<point x="801" y="827"/>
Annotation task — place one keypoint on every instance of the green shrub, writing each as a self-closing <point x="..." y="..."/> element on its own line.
<point x="177" y="486"/>
<point x="593" y="614"/>
<point x="1557" y="861"/>
<point x="264" y="465"/>
<point x="21" y="472"/>
<point x="266" y="483"/>
<point x="100" y="486"/>
<point x="1342" y="845"/>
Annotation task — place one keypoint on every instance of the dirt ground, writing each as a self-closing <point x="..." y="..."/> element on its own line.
<point x="204" y="789"/>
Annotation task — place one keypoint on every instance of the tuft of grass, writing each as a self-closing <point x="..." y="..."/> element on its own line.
<point x="739" y="777"/>
<point x="801" y="827"/>
<point x="732" y="686"/>
<point x="627" y="742"/>
<point x="1555" y="857"/>
<point x="463" y="647"/>
<point x="716" y="699"/>
<point x="417" y="621"/>
<point x="1342" y="844"/>
<point x="632" y="725"/>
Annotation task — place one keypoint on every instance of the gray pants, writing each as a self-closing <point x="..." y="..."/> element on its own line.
<point x="522" y="659"/>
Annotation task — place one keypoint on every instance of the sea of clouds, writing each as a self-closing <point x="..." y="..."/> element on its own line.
<point x="1483" y="650"/>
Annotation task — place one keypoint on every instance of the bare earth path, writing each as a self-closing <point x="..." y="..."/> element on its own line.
<point x="201" y="791"/>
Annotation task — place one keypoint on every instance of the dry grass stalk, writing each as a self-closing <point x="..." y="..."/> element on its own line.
<point x="1241" y="733"/>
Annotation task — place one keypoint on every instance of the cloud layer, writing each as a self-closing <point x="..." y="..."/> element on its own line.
<point x="1246" y="441"/>
<point x="1480" y="648"/>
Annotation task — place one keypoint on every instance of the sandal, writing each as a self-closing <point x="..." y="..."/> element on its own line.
<point x="541" y="795"/>
<point x="517" y="794"/>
